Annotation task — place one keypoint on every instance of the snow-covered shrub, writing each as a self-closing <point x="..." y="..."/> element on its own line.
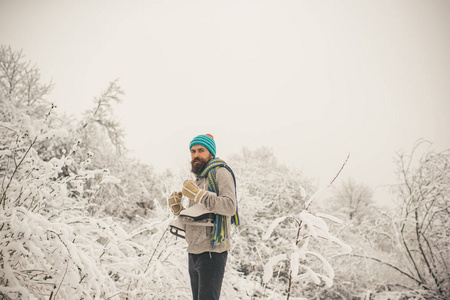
<point x="400" y="253"/>
<point x="45" y="245"/>
<point x="303" y="252"/>
<point x="265" y="189"/>
<point x="61" y="223"/>
<point x="422" y="224"/>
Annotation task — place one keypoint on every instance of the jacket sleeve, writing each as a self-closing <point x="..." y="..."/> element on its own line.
<point x="224" y="202"/>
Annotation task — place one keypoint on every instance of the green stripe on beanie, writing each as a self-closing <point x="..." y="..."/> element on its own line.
<point x="205" y="140"/>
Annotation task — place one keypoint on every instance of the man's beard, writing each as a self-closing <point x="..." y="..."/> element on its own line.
<point x="198" y="168"/>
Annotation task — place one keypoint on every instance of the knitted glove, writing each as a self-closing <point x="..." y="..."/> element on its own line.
<point x="192" y="191"/>
<point x="175" y="203"/>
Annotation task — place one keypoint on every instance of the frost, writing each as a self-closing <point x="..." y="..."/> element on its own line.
<point x="272" y="227"/>
<point x="294" y="263"/>
<point x="314" y="196"/>
<point x="326" y="265"/>
<point x="329" y="217"/>
<point x="5" y="152"/>
<point x="303" y="194"/>
<point x="28" y="128"/>
<point x="312" y="274"/>
<point x="110" y="179"/>
<point x="60" y="133"/>
<point x="328" y="281"/>
<point x="303" y="249"/>
<point x="346" y="248"/>
<point x="314" y="224"/>
<point x="268" y="267"/>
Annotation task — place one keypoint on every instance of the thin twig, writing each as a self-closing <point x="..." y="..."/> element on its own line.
<point x="309" y="202"/>
<point x="154" y="251"/>
<point x="289" y="286"/>
<point x="113" y="295"/>
<point x="67" y="267"/>
<point x="343" y="165"/>
<point x="3" y="199"/>
<point x="387" y="264"/>
<point x="4" y="125"/>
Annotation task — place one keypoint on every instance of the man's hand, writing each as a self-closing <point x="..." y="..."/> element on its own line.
<point x="192" y="191"/>
<point x="175" y="203"/>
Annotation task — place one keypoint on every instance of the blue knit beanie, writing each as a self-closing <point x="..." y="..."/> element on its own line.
<point x="206" y="140"/>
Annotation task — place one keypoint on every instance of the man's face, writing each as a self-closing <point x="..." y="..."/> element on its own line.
<point x="200" y="156"/>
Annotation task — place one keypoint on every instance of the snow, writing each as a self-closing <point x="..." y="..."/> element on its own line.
<point x="54" y="133"/>
<point x="268" y="267"/>
<point x="272" y="227"/>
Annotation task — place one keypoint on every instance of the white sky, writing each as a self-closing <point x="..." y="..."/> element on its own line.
<point x="312" y="80"/>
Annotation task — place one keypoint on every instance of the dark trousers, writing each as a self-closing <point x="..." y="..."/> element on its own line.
<point x="206" y="271"/>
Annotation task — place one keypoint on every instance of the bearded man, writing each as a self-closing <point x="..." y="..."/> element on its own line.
<point x="215" y="188"/>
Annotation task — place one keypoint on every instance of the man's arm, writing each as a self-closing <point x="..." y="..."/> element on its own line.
<point x="225" y="202"/>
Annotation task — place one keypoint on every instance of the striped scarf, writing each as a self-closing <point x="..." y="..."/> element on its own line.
<point x="220" y="224"/>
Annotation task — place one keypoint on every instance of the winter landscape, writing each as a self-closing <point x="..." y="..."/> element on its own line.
<point x="333" y="117"/>
<point x="80" y="219"/>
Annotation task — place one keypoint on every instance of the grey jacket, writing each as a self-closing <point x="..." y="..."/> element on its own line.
<point x="224" y="203"/>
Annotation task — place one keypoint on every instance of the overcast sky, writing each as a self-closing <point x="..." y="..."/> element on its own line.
<point x="312" y="80"/>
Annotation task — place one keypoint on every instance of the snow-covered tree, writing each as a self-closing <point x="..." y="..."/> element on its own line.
<point x="404" y="252"/>
<point x="21" y="90"/>
<point x="57" y="237"/>
<point x="351" y="201"/>
<point x="423" y="223"/>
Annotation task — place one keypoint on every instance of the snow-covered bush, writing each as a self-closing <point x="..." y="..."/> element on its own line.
<point x="303" y="252"/>
<point x="265" y="189"/>
<point x="45" y="243"/>
<point x="62" y="231"/>
<point x="400" y="253"/>
<point x="422" y="224"/>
